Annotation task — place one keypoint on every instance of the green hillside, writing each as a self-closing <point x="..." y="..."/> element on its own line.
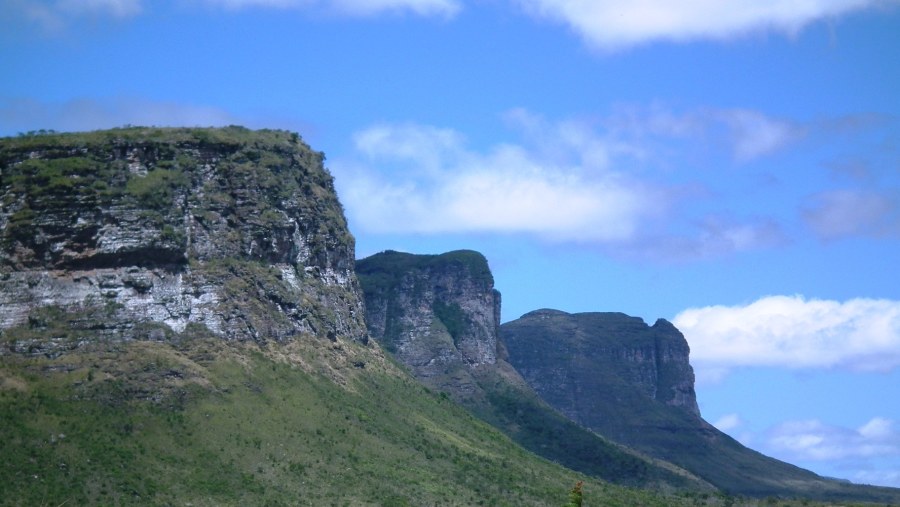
<point x="205" y="423"/>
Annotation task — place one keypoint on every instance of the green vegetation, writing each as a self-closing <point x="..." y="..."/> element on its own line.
<point x="252" y="183"/>
<point x="201" y="422"/>
<point x="205" y="423"/>
<point x="382" y="272"/>
<point x="453" y="317"/>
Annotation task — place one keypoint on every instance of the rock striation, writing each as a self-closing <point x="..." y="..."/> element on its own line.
<point x="144" y="233"/>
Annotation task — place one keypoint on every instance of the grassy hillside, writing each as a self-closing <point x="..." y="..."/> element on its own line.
<point x="205" y="423"/>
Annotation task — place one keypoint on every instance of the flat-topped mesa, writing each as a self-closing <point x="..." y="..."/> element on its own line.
<point x="651" y="360"/>
<point x="239" y="231"/>
<point x="438" y="314"/>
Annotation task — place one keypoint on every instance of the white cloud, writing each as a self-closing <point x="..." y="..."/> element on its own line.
<point x="594" y="182"/>
<point x="848" y="212"/>
<point x="22" y="115"/>
<point x="793" y="332"/>
<point x="880" y="477"/>
<point x="430" y="182"/>
<point x="728" y="422"/>
<point x="612" y="24"/>
<point x="816" y="441"/>
<point x="746" y="133"/>
<point x="441" y="8"/>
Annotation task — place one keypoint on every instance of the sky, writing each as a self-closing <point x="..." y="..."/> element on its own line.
<point x="730" y="165"/>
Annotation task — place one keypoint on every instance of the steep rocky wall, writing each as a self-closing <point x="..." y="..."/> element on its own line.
<point x="595" y="367"/>
<point x="137" y="233"/>
<point x="633" y="383"/>
<point x="438" y="314"/>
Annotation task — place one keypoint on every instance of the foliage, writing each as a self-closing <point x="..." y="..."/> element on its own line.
<point x="576" y="495"/>
<point x="453" y="317"/>
<point x="383" y="271"/>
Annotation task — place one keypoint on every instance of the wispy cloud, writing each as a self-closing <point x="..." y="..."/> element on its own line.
<point x="793" y="332"/>
<point x="440" y="8"/>
<point x="611" y="24"/>
<point x="728" y="422"/>
<point x="837" y="214"/>
<point x="814" y="440"/>
<point x="22" y="115"/>
<point x="746" y="133"/>
<point x="866" y="454"/>
<point x="53" y="15"/>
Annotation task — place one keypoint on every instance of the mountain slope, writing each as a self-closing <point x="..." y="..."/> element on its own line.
<point x="203" y="422"/>
<point x="633" y="383"/>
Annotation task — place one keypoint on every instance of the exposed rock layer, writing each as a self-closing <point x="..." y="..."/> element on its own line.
<point x="121" y="231"/>
<point x="438" y="314"/>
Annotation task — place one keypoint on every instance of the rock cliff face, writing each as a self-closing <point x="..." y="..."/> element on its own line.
<point x="145" y="233"/>
<point x="633" y="384"/>
<point x="567" y="358"/>
<point x="438" y="314"/>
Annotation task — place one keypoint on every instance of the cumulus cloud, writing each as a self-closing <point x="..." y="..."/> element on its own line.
<point x="794" y="332"/>
<point x="814" y="440"/>
<point x="611" y="24"/>
<point x="22" y="115"/>
<point x="599" y="181"/>
<point x="430" y="182"/>
<point x="843" y="213"/>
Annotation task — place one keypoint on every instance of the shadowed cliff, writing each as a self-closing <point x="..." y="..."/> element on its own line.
<point x="634" y="384"/>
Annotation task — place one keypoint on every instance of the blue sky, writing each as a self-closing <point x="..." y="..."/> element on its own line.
<point x="731" y="165"/>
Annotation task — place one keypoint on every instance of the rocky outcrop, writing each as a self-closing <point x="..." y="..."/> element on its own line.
<point x="566" y="357"/>
<point x="633" y="383"/>
<point x="146" y="233"/>
<point x="438" y="314"/>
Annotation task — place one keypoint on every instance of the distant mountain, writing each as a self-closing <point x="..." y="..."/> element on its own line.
<point x="439" y="315"/>
<point x="633" y="383"/>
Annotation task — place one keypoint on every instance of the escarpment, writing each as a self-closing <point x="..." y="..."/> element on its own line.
<point x="143" y="233"/>
<point x="438" y="314"/>
<point x="569" y="358"/>
<point x="634" y="384"/>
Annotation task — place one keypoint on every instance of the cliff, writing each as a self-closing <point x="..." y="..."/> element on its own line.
<point x="571" y="359"/>
<point x="439" y="316"/>
<point x="633" y="383"/>
<point x="143" y="233"/>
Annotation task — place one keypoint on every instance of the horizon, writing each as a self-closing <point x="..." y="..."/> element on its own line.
<point x="733" y="168"/>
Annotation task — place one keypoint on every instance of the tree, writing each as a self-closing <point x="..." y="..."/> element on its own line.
<point x="575" y="496"/>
